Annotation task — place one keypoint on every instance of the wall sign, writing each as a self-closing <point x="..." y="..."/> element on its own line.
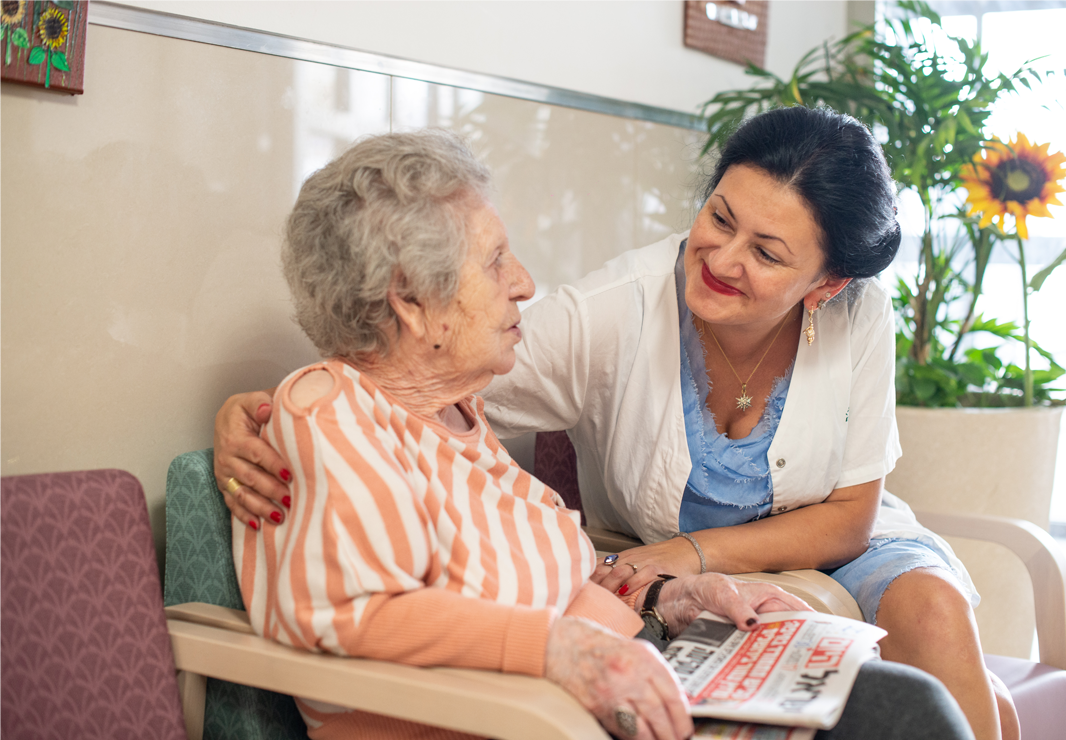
<point x="728" y="29"/>
<point x="42" y="43"/>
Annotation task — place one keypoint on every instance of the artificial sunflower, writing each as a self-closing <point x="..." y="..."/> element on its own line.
<point x="1016" y="178"/>
<point x="11" y="11"/>
<point x="53" y="28"/>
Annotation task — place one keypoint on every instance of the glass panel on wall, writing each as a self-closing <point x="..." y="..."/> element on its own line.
<point x="332" y="107"/>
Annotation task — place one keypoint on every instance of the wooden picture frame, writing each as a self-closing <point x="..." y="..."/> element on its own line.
<point x="735" y="30"/>
<point x="42" y="43"/>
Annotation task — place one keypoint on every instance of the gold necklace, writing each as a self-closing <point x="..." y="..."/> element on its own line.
<point x="744" y="400"/>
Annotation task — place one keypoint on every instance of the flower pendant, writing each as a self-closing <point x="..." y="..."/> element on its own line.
<point x="744" y="400"/>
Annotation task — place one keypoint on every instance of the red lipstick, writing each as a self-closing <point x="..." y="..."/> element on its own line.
<point x="717" y="285"/>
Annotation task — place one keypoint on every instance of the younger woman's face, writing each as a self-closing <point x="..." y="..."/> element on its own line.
<point x="753" y="253"/>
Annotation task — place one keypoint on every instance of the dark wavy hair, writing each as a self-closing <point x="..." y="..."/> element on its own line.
<point x="834" y="163"/>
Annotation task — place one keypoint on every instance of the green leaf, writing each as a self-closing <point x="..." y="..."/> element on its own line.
<point x="36" y="55"/>
<point x="59" y="61"/>
<point x="973" y="374"/>
<point x="924" y="388"/>
<point x="1042" y="377"/>
<point x="1040" y="277"/>
<point x="65" y="4"/>
<point x="20" y="38"/>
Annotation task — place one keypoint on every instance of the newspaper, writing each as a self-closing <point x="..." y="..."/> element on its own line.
<point x="723" y="730"/>
<point x="796" y="669"/>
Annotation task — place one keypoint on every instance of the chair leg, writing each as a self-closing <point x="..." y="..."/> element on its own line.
<point x="193" y="691"/>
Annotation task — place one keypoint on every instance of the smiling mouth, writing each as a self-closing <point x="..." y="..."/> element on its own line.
<point x="717" y="285"/>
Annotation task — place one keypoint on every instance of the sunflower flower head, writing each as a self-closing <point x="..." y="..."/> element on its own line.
<point x="11" y="11"/>
<point x="1017" y="178"/>
<point x="53" y="28"/>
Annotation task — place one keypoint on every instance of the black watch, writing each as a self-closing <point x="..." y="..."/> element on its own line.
<point x="651" y="616"/>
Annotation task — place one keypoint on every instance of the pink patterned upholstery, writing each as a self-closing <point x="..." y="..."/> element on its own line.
<point x="555" y="464"/>
<point x="85" y="652"/>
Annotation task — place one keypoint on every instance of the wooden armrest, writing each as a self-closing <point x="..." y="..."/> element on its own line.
<point x="505" y="706"/>
<point x="606" y="541"/>
<point x="819" y="590"/>
<point x="234" y="620"/>
<point x="1043" y="558"/>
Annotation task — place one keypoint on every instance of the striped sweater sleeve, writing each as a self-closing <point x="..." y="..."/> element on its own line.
<point x="348" y="571"/>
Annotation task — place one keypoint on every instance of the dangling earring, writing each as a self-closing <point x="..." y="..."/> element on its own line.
<point x="809" y="331"/>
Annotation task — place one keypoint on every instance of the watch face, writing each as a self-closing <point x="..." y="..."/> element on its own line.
<point x="653" y="623"/>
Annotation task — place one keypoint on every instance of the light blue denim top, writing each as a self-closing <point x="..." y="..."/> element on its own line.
<point x="730" y="480"/>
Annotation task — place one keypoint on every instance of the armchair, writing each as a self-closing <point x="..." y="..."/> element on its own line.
<point x="214" y="644"/>
<point x="84" y="649"/>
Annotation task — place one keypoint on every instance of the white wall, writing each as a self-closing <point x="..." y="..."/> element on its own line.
<point x="630" y="49"/>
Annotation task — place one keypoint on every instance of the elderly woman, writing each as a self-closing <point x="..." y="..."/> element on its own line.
<point x="411" y="535"/>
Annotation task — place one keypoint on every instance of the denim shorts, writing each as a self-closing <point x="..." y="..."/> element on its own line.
<point x="868" y="576"/>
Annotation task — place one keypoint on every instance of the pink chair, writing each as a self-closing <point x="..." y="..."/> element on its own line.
<point x="1038" y="689"/>
<point x="84" y="650"/>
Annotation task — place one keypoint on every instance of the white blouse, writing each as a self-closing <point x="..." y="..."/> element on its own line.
<point x="601" y="359"/>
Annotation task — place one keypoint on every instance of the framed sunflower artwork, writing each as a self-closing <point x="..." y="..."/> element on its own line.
<point x="42" y="42"/>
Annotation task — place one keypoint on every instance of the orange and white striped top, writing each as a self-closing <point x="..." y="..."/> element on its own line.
<point x="408" y="542"/>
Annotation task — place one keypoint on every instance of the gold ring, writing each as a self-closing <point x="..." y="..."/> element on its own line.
<point x="635" y="568"/>
<point x="233" y="484"/>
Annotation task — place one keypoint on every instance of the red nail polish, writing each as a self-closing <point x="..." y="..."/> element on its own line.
<point x="624" y="590"/>
<point x="285" y="475"/>
<point x="254" y="525"/>
<point x="275" y="517"/>
<point x="286" y="501"/>
<point x="261" y="407"/>
<point x="752" y="621"/>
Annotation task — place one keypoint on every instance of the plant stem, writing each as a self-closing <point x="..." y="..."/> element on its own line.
<point x="923" y="322"/>
<point x="981" y="239"/>
<point x="1027" y="378"/>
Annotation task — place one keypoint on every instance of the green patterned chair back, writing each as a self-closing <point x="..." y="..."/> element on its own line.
<point x="199" y="567"/>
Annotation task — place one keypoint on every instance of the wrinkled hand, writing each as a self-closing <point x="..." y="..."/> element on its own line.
<point x="241" y="454"/>
<point x="682" y="600"/>
<point x="639" y="566"/>
<point x="605" y="672"/>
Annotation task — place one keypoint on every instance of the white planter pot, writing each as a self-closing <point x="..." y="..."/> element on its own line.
<point x="998" y="462"/>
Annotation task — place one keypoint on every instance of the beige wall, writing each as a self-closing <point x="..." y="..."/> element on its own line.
<point x="141" y="222"/>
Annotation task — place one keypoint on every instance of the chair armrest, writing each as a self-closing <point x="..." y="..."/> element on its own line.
<point x="606" y="541"/>
<point x="819" y="590"/>
<point x="234" y="620"/>
<point x="1043" y="558"/>
<point x="505" y="706"/>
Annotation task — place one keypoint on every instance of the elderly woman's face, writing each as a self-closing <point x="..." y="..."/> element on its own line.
<point x="753" y="252"/>
<point x="481" y="323"/>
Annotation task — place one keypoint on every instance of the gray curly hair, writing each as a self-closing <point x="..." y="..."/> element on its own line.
<point x="393" y="205"/>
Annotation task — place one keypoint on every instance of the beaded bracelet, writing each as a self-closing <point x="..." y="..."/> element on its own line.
<point x="699" y="550"/>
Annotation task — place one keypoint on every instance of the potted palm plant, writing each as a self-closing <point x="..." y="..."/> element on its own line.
<point x="964" y="450"/>
<point x="931" y="112"/>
